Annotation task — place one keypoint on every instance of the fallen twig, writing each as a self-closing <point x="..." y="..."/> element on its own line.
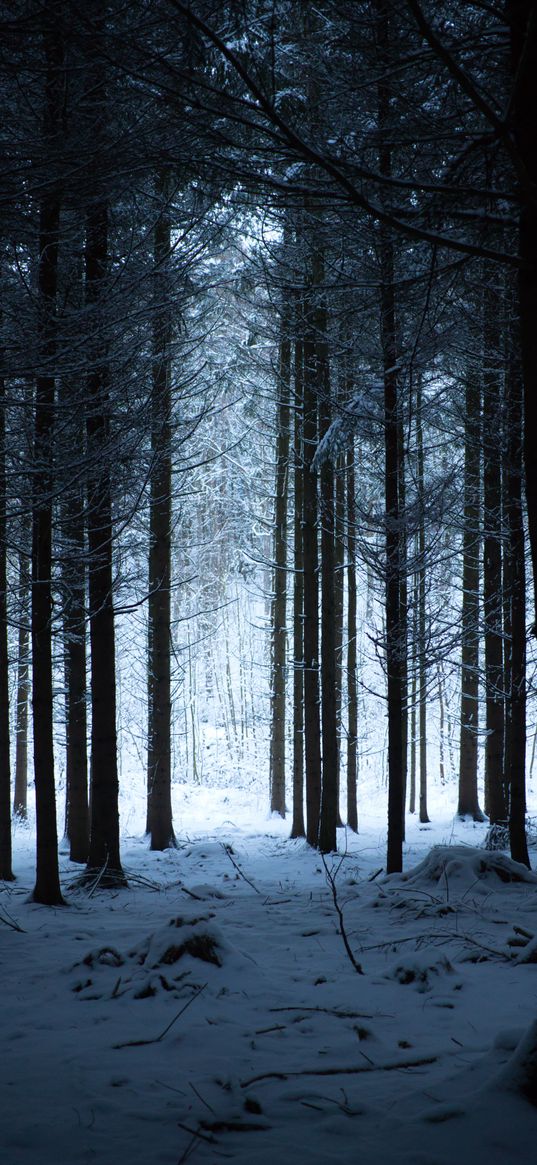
<point x="195" y="1136"/>
<point x="157" y="1039"/>
<point x="353" y="1070"/>
<point x="331" y="879"/>
<point x="338" y="1012"/>
<point x="98" y="879"/>
<point x="227" y="850"/>
<point x="7" y="919"/>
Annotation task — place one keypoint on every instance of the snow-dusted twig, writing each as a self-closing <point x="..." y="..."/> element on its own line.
<point x="331" y="880"/>
<point x="98" y="879"/>
<point x="7" y="920"/>
<point x="195" y="1135"/>
<point x="350" y="1070"/>
<point x="157" y="1039"/>
<point x="340" y="1012"/>
<point x="227" y="850"/>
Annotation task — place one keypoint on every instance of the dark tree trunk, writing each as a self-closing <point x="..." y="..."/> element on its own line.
<point x="521" y="16"/>
<point x="279" y="594"/>
<point x="329" y="787"/>
<point x="403" y="602"/>
<point x="339" y="613"/>
<point x="20" y="794"/>
<point x="159" y="803"/>
<point x="495" y="782"/>
<point x="352" y="655"/>
<point x="6" y="872"/>
<point x="468" y="795"/>
<point x="104" y="850"/>
<point x="422" y="609"/>
<point x="298" y="828"/>
<point x="312" y="723"/>
<point x="395" y="645"/>
<point x="414" y="698"/>
<point x="104" y="829"/>
<point x="516" y="720"/>
<point x="47" y="886"/>
<point x="74" y="630"/>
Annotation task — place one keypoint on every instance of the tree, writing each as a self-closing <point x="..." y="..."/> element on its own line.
<point x="523" y="40"/>
<point x="104" y="853"/>
<point x="468" y="803"/>
<point x="159" y="808"/>
<point x="6" y="872"/>
<point x="47" y="887"/>
<point x="278" y="619"/>
<point x="20" y="792"/>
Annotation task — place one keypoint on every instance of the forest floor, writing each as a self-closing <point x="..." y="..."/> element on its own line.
<point x="211" y="1011"/>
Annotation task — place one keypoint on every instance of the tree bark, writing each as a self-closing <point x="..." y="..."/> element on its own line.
<point x="515" y="553"/>
<point x="159" y="803"/>
<point x="298" y="828"/>
<point x="330" y="785"/>
<point x="47" y="886"/>
<point x="395" y="631"/>
<point x="6" y="871"/>
<point x="279" y="594"/>
<point x="352" y="654"/>
<point x="74" y="630"/>
<point x="104" y="830"/>
<point x="495" y="782"/>
<point x="20" y="793"/>
<point x="521" y="16"/>
<point x="422" y="606"/>
<point x="312" y="723"/>
<point x="468" y="804"/>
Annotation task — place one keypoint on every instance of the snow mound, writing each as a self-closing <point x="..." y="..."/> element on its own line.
<point x="463" y="867"/>
<point x="164" y="960"/>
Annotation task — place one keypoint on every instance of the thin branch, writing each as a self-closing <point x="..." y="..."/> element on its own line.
<point x="157" y="1039"/>
<point x="330" y="878"/>
<point x="8" y="920"/>
<point x="353" y="1070"/>
<point x="313" y="155"/>
<point x="227" y="850"/>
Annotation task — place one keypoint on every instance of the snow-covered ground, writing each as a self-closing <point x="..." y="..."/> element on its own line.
<point x="212" y="1012"/>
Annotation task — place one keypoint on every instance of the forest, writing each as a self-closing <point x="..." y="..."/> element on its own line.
<point x="268" y="534"/>
<point x="309" y="227"/>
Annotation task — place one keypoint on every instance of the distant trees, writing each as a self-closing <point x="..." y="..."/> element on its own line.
<point x="454" y="63"/>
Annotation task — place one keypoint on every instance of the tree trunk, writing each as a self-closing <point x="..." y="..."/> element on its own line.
<point x="298" y="828"/>
<point x="395" y="637"/>
<point x="312" y="724"/>
<point x="422" y="608"/>
<point x="339" y="611"/>
<point x="414" y="699"/>
<point x="20" y="794"/>
<point x="104" y="831"/>
<point x="515" y="553"/>
<point x="329" y="788"/>
<point x="468" y="795"/>
<point x="521" y="17"/>
<point x="74" y="630"/>
<point x="279" y="594"/>
<point x="47" y="886"/>
<point x="352" y="655"/>
<point x="6" y="872"/>
<point x="159" y="804"/>
<point x="492" y="567"/>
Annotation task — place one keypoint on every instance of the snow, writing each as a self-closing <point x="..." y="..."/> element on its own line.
<point x="210" y="1012"/>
